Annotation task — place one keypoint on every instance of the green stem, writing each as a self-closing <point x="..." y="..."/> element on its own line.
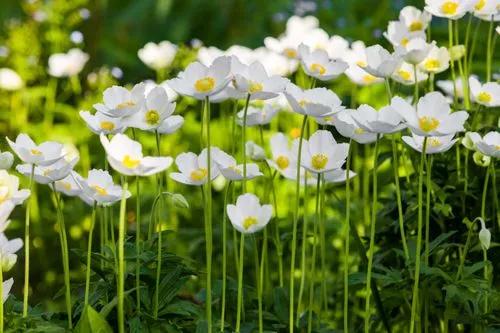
<point x="224" y="259"/>
<point x="464" y="253"/>
<point x="158" y="266"/>
<point x="240" y="283"/>
<point x="395" y="164"/>
<point x="303" y="249"/>
<point x="415" y="96"/>
<point x="419" y="239"/>
<point x="452" y="63"/>
<point x="277" y="235"/>
<point x="462" y="71"/>
<point x="159" y="249"/>
<point x="138" y="244"/>
<point x="486" y="278"/>
<point x="322" y="232"/>
<point x="243" y="143"/>
<point x="27" y="247"/>
<point x="489" y="50"/>
<point x="372" y="237"/>
<point x="347" y="238"/>
<point x="208" y="220"/>
<point x="121" y="258"/>
<point x="313" y="257"/>
<point x="261" y="281"/>
<point x="89" y="251"/>
<point x="428" y="186"/>
<point x="485" y="192"/>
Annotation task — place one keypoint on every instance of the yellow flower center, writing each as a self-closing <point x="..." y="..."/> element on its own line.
<point x="35" y="152"/>
<point x="432" y="64"/>
<point x="198" y="174"/>
<point x="368" y="78"/>
<point x="317" y="68"/>
<point x="303" y="102"/>
<point x="404" y="41"/>
<point x="428" y="124"/>
<point x="497" y="147"/>
<point x="129" y="162"/>
<point x="480" y="4"/>
<point x="290" y="53"/>
<point x="415" y="26"/>
<point x="124" y="105"/>
<point x="434" y="142"/>
<point x="295" y="132"/>
<point x="328" y="119"/>
<point x="361" y="63"/>
<point x="107" y="125"/>
<point x="449" y="7"/>
<point x="235" y="169"/>
<point x="283" y="162"/>
<point x="484" y="97"/>
<point x="359" y="130"/>
<point x="152" y="117"/>
<point x="405" y="75"/>
<point x="47" y="172"/>
<point x="319" y="161"/>
<point x="204" y="85"/>
<point x="100" y="190"/>
<point x="254" y="87"/>
<point x="249" y="221"/>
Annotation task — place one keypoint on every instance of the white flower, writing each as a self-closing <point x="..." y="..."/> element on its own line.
<point x="44" y="154"/>
<point x="386" y="120"/>
<point x="6" y="208"/>
<point x="414" y="19"/>
<point x="436" y="61"/>
<point x="157" y="56"/>
<point x="150" y="85"/>
<point x="200" y="81"/>
<point x="255" y="81"/>
<point x="10" y="80"/>
<point x="194" y="168"/>
<point x="254" y="151"/>
<point x="380" y="62"/>
<point x="487" y="94"/>
<point x="157" y="108"/>
<point x="125" y="156"/>
<point x="70" y="185"/>
<point x="9" y="189"/>
<point x="49" y="173"/>
<point x="170" y="124"/>
<point x="405" y="74"/>
<point x="415" y="51"/>
<point x="317" y="102"/>
<point x="207" y="55"/>
<point x="488" y="145"/>
<point x="337" y="47"/>
<point x="6" y="287"/>
<point x="487" y="9"/>
<point x="356" y="54"/>
<point x="447" y="87"/>
<point x="99" y="187"/>
<point x="451" y="9"/>
<point x="347" y="127"/>
<point x="229" y="168"/>
<point x="6" y="160"/>
<point x="361" y="77"/>
<point x="248" y="215"/>
<point x="321" y="153"/>
<point x="484" y="235"/>
<point x="121" y="102"/>
<point x="67" y="64"/>
<point x="275" y="63"/>
<point x="399" y="34"/>
<point x="337" y="176"/>
<point x="257" y="115"/>
<point x="435" y="144"/>
<point x="8" y="249"/>
<point x="432" y="117"/>
<point x="100" y="123"/>
<point x="284" y="160"/>
<point x="317" y="64"/>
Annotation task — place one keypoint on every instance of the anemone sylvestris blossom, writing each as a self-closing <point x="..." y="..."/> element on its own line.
<point x="67" y="64"/>
<point x="248" y="215"/>
<point x="29" y="152"/>
<point x="193" y="169"/>
<point x="487" y="94"/>
<point x="158" y="56"/>
<point x="321" y="153"/>
<point x="231" y="170"/>
<point x="435" y="144"/>
<point x="318" y="64"/>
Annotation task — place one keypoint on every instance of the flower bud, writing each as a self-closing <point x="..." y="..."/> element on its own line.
<point x="6" y="160"/>
<point x="481" y="160"/>
<point x="457" y="52"/>
<point x="484" y="236"/>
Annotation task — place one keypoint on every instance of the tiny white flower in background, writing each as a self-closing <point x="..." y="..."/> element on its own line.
<point x="415" y="51"/>
<point x="414" y="19"/>
<point x="487" y="10"/>
<point x="317" y="102"/>
<point x="484" y="235"/>
<point x="380" y="62"/>
<point x="284" y="159"/>
<point x="248" y="215"/>
<point x="157" y="108"/>
<point x="6" y="160"/>
<point x="317" y="64"/>
<point x="10" y="80"/>
<point x="100" y="188"/>
<point x="70" y="185"/>
<point x="451" y="9"/>
<point x="321" y="153"/>
<point x="244" y="54"/>
<point x="6" y="287"/>
<point x="170" y="124"/>
<point x="399" y="34"/>
<point x="200" y="81"/>
<point x="405" y="74"/>
<point x="337" y="176"/>
<point x="158" y="56"/>
<point x="150" y="85"/>
<point x="337" y="48"/>
<point x="254" y="151"/>
<point x="488" y="145"/>
<point x="435" y="144"/>
<point x="29" y="152"/>
<point x="275" y="63"/>
<point x="9" y="189"/>
<point x="487" y="94"/>
<point x="67" y="64"/>
<point x="436" y="61"/>
<point x="121" y="102"/>
<point x="194" y="168"/>
<point x="432" y="117"/>
<point x="49" y="174"/>
<point x="6" y="208"/>
<point x="101" y="123"/>
<point x="347" y="127"/>
<point x="386" y="120"/>
<point x="257" y="115"/>
<point x="207" y="55"/>
<point x="125" y="156"/>
<point x="231" y="170"/>
<point x="8" y="249"/>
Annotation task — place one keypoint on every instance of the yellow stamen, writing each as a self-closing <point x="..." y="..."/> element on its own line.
<point x="205" y="84"/>
<point x="249" y="221"/>
<point x="107" y="125"/>
<point x="432" y="65"/>
<point x="283" y="162"/>
<point x="428" y="124"/>
<point x="368" y="78"/>
<point x="480" y="4"/>
<point x="317" y="68"/>
<point x="4" y="193"/>
<point x="415" y="26"/>
<point x="66" y="185"/>
<point x="254" y="87"/>
<point x="295" y="132"/>
<point x="124" y="105"/>
<point x="359" y="130"/>
<point x="290" y="53"/>
<point x="319" y="161"/>
<point x="449" y="7"/>
<point x="361" y="63"/>
<point x="130" y="162"/>
<point x="152" y="117"/>
<point x="405" y="75"/>
<point x="235" y="169"/>
<point x="303" y="102"/>
<point x="35" y="152"/>
<point x="434" y="142"/>
<point x="100" y="190"/>
<point x="199" y="174"/>
<point x="484" y="97"/>
<point x="404" y="41"/>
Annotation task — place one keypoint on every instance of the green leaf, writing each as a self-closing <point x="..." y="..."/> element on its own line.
<point x="92" y="322"/>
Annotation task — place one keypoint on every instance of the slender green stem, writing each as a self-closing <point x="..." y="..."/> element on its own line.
<point x="240" y="283"/>
<point x="303" y="250"/>
<point x="224" y="258"/>
<point x="1" y="293"/>
<point x="428" y="186"/>
<point x="489" y="51"/>
<point x="89" y="252"/>
<point x="372" y="237"/>
<point x="323" y="243"/>
<point x="158" y="225"/>
<point x="159" y="258"/>
<point x="452" y="64"/>
<point x="463" y="74"/>
<point x="414" y="302"/>
<point x="243" y="143"/>
<point x="208" y="219"/>
<point x="395" y="165"/>
<point x="313" y="256"/>
<point x="485" y="192"/>
<point x="486" y="278"/>
<point x="121" y="258"/>
<point x="294" y="228"/>
<point x="27" y="247"/>
<point x="415" y="96"/>
<point x="347" y="238"/>
<point x="464" y="253"/>
<point x="138" y="244"/>
<point x="277" y="235"/>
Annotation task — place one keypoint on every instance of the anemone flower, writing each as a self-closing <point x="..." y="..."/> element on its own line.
<point x="101" y="123"/>
<point x="48" y="174"/>
<point x="386" y="120"/>
<point x="380" y="62"/>
<point x="451" y="9"/>
<point x="121" y="102"/>
<point x="347" y="127"/>
<point x="317" y="102"/>
<point x="487" y="94"/>
<point x="435" y="144"/>
<point x="193" y="169"/>
<point x="318" y="64"/>
<point x="46" y="153"/>
<point x="8" y="249"/>
<point x="9" y="189"/>
<point x="322" y="153"/>
<point x="233" y="171"/>
<point x="158" y="56"/>
<point x="436" y="61"/>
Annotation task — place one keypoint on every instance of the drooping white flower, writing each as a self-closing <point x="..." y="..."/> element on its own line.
<point x="48" y="174"/>
<point x="451" y="9"/>
<point x="99" y="187"/>
<point x="6" y="287"/>
<point x="317" y="102"/>
<point x="67" y="64"/>
<point x="231" y="170"/>
<point x="44" y="154"/>
<point x="8" y="249"/>
<point x="121" y="102"/>
<point x="317" y="64"/>
<point x="380" y="62"/>
<point x="435" y="144"/>
<point x="386" y="120"/>
<point x="248" y="215"/>
<point x="414" y="19"/>
<point x="432" y="116"/>
<point x="9" y="189"/>
<point x="253" y="80"/>
<point x="415" y="51"/>
<point x="193" y="169"/>
<point x="484" y="235"/>
<point x="321" y="153"/>
<point x="125" y="156"/>
<point x="284" y="159"/>
<point x="254" y="151"/>
<point x="200" y="81"/>
<point x="488" y="145"/>
<point x="436" y="61"/>
<point x="257" y="115"/>
<point x="399" y="34"/>
<point x="158" y="56"/>
<point x="101" y="123"/>
<point x="10" y="80"/>
<point x="6" y="160"/>
<point x="347" y="127"/>
<point x="405" y="74"/>
<point x="487" y="94"/>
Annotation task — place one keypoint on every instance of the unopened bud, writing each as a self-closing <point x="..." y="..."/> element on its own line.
<point x="481" y="160"/>
<point x="457" y="52"/>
